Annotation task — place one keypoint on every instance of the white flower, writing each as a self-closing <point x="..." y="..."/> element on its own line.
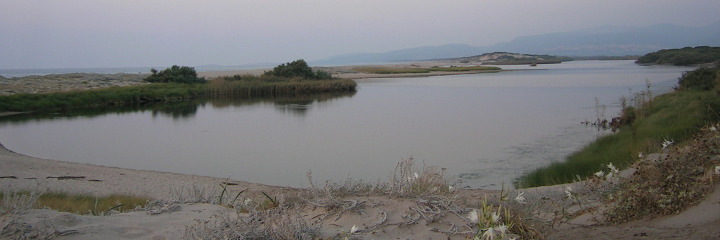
<point x="713" y="129"/>
<point x="451" y="188"/>
<point x="495" y="217"/>
<point x="501" y="229"/>
<point x="599" y="173"/>
<point x="568" y="192"/>
<point x="613" y="168"/>
<point x="717" y="170"/>
<point x="641" y="155"/>
<point x="667" y="143"/>
<point x="416" y="175"/>
<point x="354" y="229"/>
<point x="609" y="176"/>
<point x="489" y="234"/>
<point x="247" y="201"/>
<point x="473" y="216"/>
<point x="520" y="199"/>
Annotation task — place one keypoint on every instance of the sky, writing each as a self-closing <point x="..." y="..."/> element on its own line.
<point x="141" y="33"/>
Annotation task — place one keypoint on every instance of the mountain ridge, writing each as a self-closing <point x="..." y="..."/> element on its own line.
<point x="598" y="41"/>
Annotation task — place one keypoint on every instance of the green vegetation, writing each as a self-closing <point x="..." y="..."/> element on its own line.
<point x="175" y="74"/>
<point x="671" y="117"/>
<point x="389" y="70"/>
<point x="81" y="204"/>
<point x="682" y="57"/>
<point x="172" y="85"/>
<point x="298" y="69"/>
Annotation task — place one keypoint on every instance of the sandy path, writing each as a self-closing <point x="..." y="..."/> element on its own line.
<point x="25" y="173"/>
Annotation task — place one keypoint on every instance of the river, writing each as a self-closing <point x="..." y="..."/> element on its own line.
<point x="484" y="129"/>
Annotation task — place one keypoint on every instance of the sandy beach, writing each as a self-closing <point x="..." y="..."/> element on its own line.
<point x="25" y="173"/>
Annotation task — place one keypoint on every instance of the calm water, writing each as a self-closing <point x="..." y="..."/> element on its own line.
<point x="485" y="129"/>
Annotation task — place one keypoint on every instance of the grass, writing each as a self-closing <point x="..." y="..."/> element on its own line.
<point x="388" y="70"/>
<point x="170" y="92"/>
<point x="675" y="116"/>
<point x="80" y="204"/>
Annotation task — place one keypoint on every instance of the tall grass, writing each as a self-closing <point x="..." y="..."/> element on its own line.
<point x="674" y="116"/>
<point x="170" y="92"/>
<point x="80" y="204"/>
<point x="248" y="86"/>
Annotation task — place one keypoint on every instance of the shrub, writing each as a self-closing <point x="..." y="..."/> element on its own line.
<point x="700" y="79"/>
<point x="175" y="74"/>
<point x="297" y="69"/>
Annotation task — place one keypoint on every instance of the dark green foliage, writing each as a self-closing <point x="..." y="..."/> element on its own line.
<point x="701" y="79"/>
<point x="175" y="74"/>
<point x="297" y="69"/>
<point x="682" y="57"/>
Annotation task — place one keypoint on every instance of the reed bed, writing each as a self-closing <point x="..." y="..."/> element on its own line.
<point x="171" y="92"/>
<point x="254" y="86"/>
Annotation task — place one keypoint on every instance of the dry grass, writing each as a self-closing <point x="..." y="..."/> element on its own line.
<point x="276" y="223"/>
<point x="669" y="184"/>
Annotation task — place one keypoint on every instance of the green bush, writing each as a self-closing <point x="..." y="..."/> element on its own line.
<point x="175" y="74"/>
<point x="297" y="69"/>
<point x="700" y="79"/>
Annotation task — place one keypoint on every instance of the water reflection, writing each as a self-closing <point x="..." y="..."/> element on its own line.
<point x="297" y="105"/>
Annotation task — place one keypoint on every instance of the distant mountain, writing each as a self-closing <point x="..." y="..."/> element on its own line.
<point x="600" y="41"/>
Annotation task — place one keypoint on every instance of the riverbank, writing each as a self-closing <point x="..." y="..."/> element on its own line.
<point x="181" y="211"/>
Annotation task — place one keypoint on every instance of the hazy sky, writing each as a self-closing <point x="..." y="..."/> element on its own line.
<point x="130" y="33"/>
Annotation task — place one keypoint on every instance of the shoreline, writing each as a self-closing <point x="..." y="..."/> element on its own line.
<point x="26" y="173"/>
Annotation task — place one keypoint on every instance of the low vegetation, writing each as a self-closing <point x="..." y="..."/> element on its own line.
<point x="72" y="203"/>
<point x="682" y="57"/>
<point x="389" y="70"/>
<point x="670" y="183"/>
<point x="648" y="123"/>
<point x="180" y="84"/>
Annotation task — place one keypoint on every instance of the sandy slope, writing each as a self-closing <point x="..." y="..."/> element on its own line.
<point x="22" y="172"/>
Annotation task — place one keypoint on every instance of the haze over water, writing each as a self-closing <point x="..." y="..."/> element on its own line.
<point x="485" y="129"/>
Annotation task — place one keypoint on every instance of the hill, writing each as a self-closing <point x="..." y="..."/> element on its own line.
<point x="505" y="58"/>
<point x="600" y="41"/>
<point x="682" y="57"/>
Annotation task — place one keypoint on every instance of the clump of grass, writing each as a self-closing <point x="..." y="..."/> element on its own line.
<point x="407" y="182"/>
<point x="13" y="203"/>
<point x="72" y="203"/>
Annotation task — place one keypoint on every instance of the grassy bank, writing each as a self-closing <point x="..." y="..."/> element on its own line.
<point x="672" y="117"/>
<point x="74" y="203"/>
<point x="169" y="92"/>
<point x="388" y="70"/>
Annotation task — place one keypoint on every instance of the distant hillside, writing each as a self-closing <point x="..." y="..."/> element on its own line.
<point x="682" y="57"/>
<point x="505" y="58"/>
<point x="601" y="41"/>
